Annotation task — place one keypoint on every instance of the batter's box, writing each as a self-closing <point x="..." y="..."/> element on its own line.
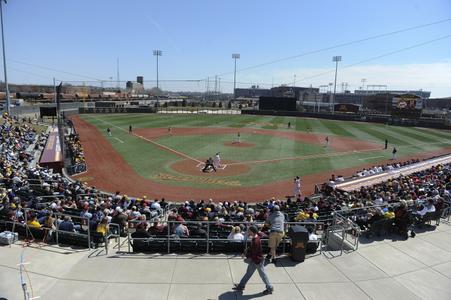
<point x="202" y="165"/>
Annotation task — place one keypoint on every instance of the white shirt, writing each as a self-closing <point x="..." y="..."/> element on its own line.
<point x="379" y="201"/>
<point x="312" y="237"/>
<point x="155" y="205"/>
<point x="423" y="211"/>
<point x="236" y="237"/>
<point x="297" y="184"/>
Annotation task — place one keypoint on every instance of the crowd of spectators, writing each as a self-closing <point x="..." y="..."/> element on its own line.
<point x="371" y="171"/>
<point x="48" y="196"/>
<point x="384" y="168"/>
<point x="76" y="153"/>
<point x="39" y="197"/>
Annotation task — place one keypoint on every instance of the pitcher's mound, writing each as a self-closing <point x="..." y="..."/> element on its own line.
<point x="239" y="145"/>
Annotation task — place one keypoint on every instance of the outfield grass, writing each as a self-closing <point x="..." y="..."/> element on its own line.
<point x="148" y="160"/>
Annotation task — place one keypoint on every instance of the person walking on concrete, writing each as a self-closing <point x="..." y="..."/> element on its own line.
<point x="276" y="224"/>
<point x="254" y="258"/>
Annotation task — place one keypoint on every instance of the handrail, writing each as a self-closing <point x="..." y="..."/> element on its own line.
<point x="170" y="237"/>
<point x="113" y="235"/>
<point x="84" y="225"/>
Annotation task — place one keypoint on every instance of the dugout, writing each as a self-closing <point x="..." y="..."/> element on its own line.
<point x="277" y="103"/>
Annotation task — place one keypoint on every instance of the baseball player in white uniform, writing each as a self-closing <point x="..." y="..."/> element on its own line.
<point x="297" y="186"/>
<point x="217" y="161"/>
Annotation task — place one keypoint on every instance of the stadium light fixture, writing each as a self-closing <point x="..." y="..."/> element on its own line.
<point x="335" y="59"/>
<point x="157" y="53"/>
<point x="8" y="100"/>
<point x="235" y="56"/>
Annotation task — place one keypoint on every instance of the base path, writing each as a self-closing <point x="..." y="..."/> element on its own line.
<point x="108" y="171"/>
<point x="338" y="143"/>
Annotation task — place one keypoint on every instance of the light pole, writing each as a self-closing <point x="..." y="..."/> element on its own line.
<point x="363" y="83"/>
<point x="235" y="56"/>
<point x="8" y="101"/>
<point x="336" y="59"/>
<point x="157" y="53"/>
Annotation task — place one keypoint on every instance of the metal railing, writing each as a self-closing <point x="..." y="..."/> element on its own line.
<point x="84" y="225"/>
<point x="113" y="234"/>
<point x="170" y="235"/>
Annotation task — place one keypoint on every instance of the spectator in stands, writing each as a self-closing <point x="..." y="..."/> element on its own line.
<point x="389" y="214"/>
<point x="33" y="222"/>
<point x="430" y="206"/>
<point x="254" y="257"/>
<point x="121" y="219"/>
<point x="139" y="237"/>
<point x="276" y="224"/>
<point x="140" y="232"/>
<point x="235" y="234"/>
<point x="199" y="232"/>
<point x="67" y="224"/>
<point x="158" y="228"/>
<point x="181" y="230"/>
<point x="311" y="234"/>
<point x="103" y="227"/>
<point x="49" y="221"/>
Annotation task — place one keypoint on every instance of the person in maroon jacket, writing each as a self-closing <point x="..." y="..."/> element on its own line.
<point x="254" y="257"/>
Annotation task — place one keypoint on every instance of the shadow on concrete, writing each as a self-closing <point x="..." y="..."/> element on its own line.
<point x="238" y="295"/>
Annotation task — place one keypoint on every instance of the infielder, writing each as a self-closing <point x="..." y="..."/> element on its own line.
<point x="239" y="137"/>
<point x="108" y="130"/>
<point x="327" y="141"/>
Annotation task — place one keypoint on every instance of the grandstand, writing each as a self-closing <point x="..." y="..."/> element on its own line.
<point x="170" y="149"/>
<point x="367" y="221"/>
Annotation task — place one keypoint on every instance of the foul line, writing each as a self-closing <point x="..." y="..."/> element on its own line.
<point x="371" y="157"/>
<point x="118" y="139"/>
<point x="303" y="157"/>
<point x="151" y="141"/>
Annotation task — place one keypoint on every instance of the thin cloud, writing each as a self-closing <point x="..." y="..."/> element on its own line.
<point x="434" y="77"/>
<point x="165" y="34"/>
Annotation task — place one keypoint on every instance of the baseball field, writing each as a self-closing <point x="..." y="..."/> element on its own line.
<point x="164" y="155"/>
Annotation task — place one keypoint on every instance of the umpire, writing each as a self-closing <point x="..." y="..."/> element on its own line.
<point x="209" y="164"/>
<point x="276" y="224"/>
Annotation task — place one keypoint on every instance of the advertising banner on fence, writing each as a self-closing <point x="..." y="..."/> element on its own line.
<point x="115" y="110"/>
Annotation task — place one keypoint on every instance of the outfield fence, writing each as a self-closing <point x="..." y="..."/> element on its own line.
<point x="198" y="111"/>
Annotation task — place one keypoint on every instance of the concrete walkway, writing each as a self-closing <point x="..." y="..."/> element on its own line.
<point x="419" y="268"/>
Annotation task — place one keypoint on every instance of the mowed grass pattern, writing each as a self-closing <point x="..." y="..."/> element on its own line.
<point x="148" y="160"/>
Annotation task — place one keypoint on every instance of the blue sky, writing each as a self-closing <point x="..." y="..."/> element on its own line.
<point x="198" y="37"/>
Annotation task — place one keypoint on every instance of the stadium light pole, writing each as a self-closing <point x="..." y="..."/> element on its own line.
<point x="157" y="53"/>
<point x="235" y="56"/>
<point x="335" y="59"/>
<point x="8" y="100"/>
